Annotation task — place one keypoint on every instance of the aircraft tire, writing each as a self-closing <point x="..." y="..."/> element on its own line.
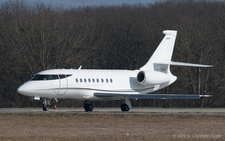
<point x="88" y="107"/>
<point x="45" y="108"/>
<point x="124" y="107"/>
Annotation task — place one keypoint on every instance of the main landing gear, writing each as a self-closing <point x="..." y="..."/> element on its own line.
<point x="88" y="107"/>
<point x="125" y="107"/>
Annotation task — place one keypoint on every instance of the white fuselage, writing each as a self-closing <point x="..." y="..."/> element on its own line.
<point x="82" y="84"/>
<point x="89" y="85"/>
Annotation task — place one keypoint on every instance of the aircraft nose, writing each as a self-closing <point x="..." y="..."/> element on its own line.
<point x="23" y="89"/>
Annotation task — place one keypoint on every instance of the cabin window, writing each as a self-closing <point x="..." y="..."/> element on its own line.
<point x="102" y="80"/>
<point x="106" y="80"/>
<point x="111" y="80"/>
<point x="80" y="80"/>
<point x="93" y="80"/>
<point x="85" y="80"/>
<point x="97" y="80"/>
<point x="76" y="80"/>
<point x="89" y="80"/>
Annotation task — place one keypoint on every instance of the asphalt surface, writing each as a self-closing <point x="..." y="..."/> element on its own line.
<point x="212" y="111"/>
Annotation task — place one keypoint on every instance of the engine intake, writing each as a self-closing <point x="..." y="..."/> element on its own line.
<point x="152" y="78"/>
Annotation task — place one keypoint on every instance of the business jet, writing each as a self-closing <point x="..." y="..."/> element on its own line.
<point x="96" y="85"/>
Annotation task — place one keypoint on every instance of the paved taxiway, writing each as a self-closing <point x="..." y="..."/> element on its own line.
<point x="212" y="111"/>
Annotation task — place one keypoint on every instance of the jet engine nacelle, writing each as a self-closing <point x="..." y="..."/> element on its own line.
<point x="152" y="77"/>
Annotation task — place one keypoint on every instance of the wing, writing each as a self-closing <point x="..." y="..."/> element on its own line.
<point x="151" y="96"/>
<point x="182" y="64"/>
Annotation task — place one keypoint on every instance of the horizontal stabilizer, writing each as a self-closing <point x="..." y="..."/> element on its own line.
<point x="181" y="64"/>
<point x="152" y="96"/>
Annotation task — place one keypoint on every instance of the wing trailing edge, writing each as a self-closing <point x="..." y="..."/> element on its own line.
<point x="181" y="64"/>
<point x="151" y="96"/>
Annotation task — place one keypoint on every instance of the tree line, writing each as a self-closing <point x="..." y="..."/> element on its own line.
<point x="39" y="37"/>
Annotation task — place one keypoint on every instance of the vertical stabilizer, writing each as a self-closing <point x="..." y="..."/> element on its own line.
<point x="163" y="53"/>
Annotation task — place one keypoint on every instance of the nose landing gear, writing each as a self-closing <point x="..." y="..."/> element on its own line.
<point x="46" y="103"/>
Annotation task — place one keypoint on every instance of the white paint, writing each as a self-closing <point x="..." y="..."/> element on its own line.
<point x="92" y="84"/>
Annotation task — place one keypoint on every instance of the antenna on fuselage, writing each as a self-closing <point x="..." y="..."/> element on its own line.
<point x="80" y="67"/>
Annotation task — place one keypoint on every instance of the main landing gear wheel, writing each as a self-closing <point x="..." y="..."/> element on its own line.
<point x="88" y="107"/>
<point x="125" y="107"/>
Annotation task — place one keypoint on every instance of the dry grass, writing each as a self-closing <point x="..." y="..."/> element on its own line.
<point x="110" y="126"/>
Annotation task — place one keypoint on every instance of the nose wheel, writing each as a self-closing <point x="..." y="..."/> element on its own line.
<point x="46" y="103"/>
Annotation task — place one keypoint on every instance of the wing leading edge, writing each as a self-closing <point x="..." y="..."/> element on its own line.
<point x="151" y="96"/>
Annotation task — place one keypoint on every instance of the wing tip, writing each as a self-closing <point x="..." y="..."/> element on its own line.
<point x="205" y="95"/>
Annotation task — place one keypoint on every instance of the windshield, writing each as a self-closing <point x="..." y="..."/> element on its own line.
<point x="44" y="77"/>
<point x="49" y="76"/>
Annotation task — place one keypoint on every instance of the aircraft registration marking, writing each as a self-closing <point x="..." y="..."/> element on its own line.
<point x="161" y="69"/>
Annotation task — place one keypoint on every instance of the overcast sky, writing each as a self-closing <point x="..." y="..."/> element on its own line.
<point x="76" y="3"/>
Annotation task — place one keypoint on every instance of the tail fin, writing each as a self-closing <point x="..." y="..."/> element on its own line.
<point x="163" y="53"/>
<point x="161" y="58"/>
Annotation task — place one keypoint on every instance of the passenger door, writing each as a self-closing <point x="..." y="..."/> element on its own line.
<point x="63" y="84"/>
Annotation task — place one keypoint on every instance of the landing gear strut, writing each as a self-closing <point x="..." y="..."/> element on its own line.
<point x="125" y="107"/>
<point x="46" y="103"/>
<point x="88" y="107"/>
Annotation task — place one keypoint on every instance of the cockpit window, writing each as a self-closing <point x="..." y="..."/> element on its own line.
<point x="61" y="76"/>
<point x="49" y="76"/>
<point x="45" y="77"/>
